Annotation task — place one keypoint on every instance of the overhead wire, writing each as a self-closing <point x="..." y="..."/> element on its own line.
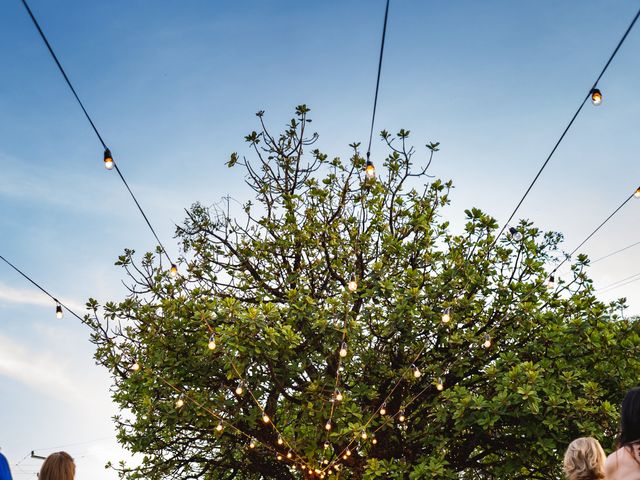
<point x="93" y="126"/>
<point x="564" y="132"/>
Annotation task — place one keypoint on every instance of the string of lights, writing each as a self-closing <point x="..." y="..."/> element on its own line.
<point x="109" y="162"/>
<point x="548" y="282"/>
<point x="369" y="167"/>
<point x="596" y="98"/>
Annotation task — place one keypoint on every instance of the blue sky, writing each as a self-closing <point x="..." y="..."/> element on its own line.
<point x="173" y="87"/>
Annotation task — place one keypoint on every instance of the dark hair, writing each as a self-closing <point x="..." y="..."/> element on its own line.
<point x="630" y="417"/>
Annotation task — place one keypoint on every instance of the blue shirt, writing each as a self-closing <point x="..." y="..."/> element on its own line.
<point x="5" y="473"/>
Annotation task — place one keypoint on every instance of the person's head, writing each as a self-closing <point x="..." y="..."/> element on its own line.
<point x="630" y="417"/>
<point x="58" y="466"/>
<point x="584" y="460"/>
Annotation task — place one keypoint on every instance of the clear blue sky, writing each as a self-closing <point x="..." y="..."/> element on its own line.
<point x="174" y="86"/>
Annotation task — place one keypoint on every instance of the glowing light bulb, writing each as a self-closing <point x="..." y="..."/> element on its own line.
<point x="59" y="312"/>
<point x="487" y="340"/>
<point x="108" y="159"/>
<point x="289" y="454"/>
<point x="327" y="426"/>
<point x="363" y="435"/>
<point x="374" y="440"/>
<point x="515" y="234"/>
<point x="317" y="470"/>
<point x="343" y="349"/>
<point x="596" y="97"/>
<point x="326" y="445"/>
<point x="446" y="315"/>
<point x="135" y="366"/>
<point x="219" y="427"/>
<point x="348" y="452"/>
<point x="383" y="409"/>
<point x="370" y="170"/>
<point x="637" y="193"/>
<point x="252" y="443"/>
<point x="265" y="418"/>
<point x="212" y="342"/>
<point x="325" y="461"/>
<point x="279" y="457"/>
<point x="280" y="441"/>
<point x="240" y="388"/>
<point x="344" y="457"/>
<point x="179" y="403"/>
<point x="173" y="271"/>
<point x="551" y="282"/>
<point x="353" y="283"/>
<point x="440" y="384"/>
<point x="416" y="371"/>
<point x="401" y="416"/>
<point x="338" y="396"/>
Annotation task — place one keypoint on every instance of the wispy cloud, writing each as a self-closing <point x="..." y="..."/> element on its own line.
<point x="40" y="371"/>
<point x="36" y="298"/>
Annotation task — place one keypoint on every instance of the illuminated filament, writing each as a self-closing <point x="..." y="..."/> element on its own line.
<point x="353" y="283"/>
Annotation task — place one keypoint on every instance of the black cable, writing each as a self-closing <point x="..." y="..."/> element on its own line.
<point x="104" y="145"/>
<point x="575" y="115"/>
<point x="375" y="98"/>
<point x="620" y="283"/>
<point x="39" y="287"/>
<point x="614" y="253"/>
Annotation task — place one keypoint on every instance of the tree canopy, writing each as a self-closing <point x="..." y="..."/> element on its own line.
<point x="337" y="327"/>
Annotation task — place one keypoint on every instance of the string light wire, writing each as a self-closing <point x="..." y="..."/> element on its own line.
<point x="93" y="125"/>
<point x="559" y="141"/>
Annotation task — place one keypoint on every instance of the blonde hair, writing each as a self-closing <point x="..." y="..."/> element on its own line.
<point x="58" y="466"/>
<point x="584" y="460"/>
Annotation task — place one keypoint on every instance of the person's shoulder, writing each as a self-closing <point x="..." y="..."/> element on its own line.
<point x="613" y="462"/>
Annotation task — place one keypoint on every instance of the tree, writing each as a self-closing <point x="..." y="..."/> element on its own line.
<point x="496" y="388"/>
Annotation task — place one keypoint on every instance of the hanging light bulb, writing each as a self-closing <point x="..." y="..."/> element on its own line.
<point x="344" y="457"/>
<point x="179" y="403"/>
<point x="348" y="452"/>
<point x="338" y="396"/>
<point x="596" y="97"/>
<point x="446" y="315"/>
<point x="637" y="193"/>
<point x="326" y="445"/>
<point x="280" y="441"/>
<point x="401" y="416"/>
<point x="279" y="457"/>
<point x="59" y="312"/>
<point x="265" y="418"/>
<point x="325" y="461"/>
<point x="370" y="170"/>
<point x="135" y="366"/>
<point x="343" y="349"/>
<point x="374" y="440"/>
<point x="327" y="426"/>
<point x="108" y="159"/>
<point x="252" y="443"/>
<point x="416" y="371"/>
<point x="173" y="271"/>
<point x="219" y="427"/>
<point x="551" y="282"/>
<point x="353" y="283"/>
<point x="383" y="408"/>
<point x="487" y="340"/>
<point x="515" y="234"/>
<point x="212" y="342"/>
<point x="289" y="454"/>
<point x="240" y="388"/>
<point x="363" y="434"/>
<point x="439" y="384"/>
